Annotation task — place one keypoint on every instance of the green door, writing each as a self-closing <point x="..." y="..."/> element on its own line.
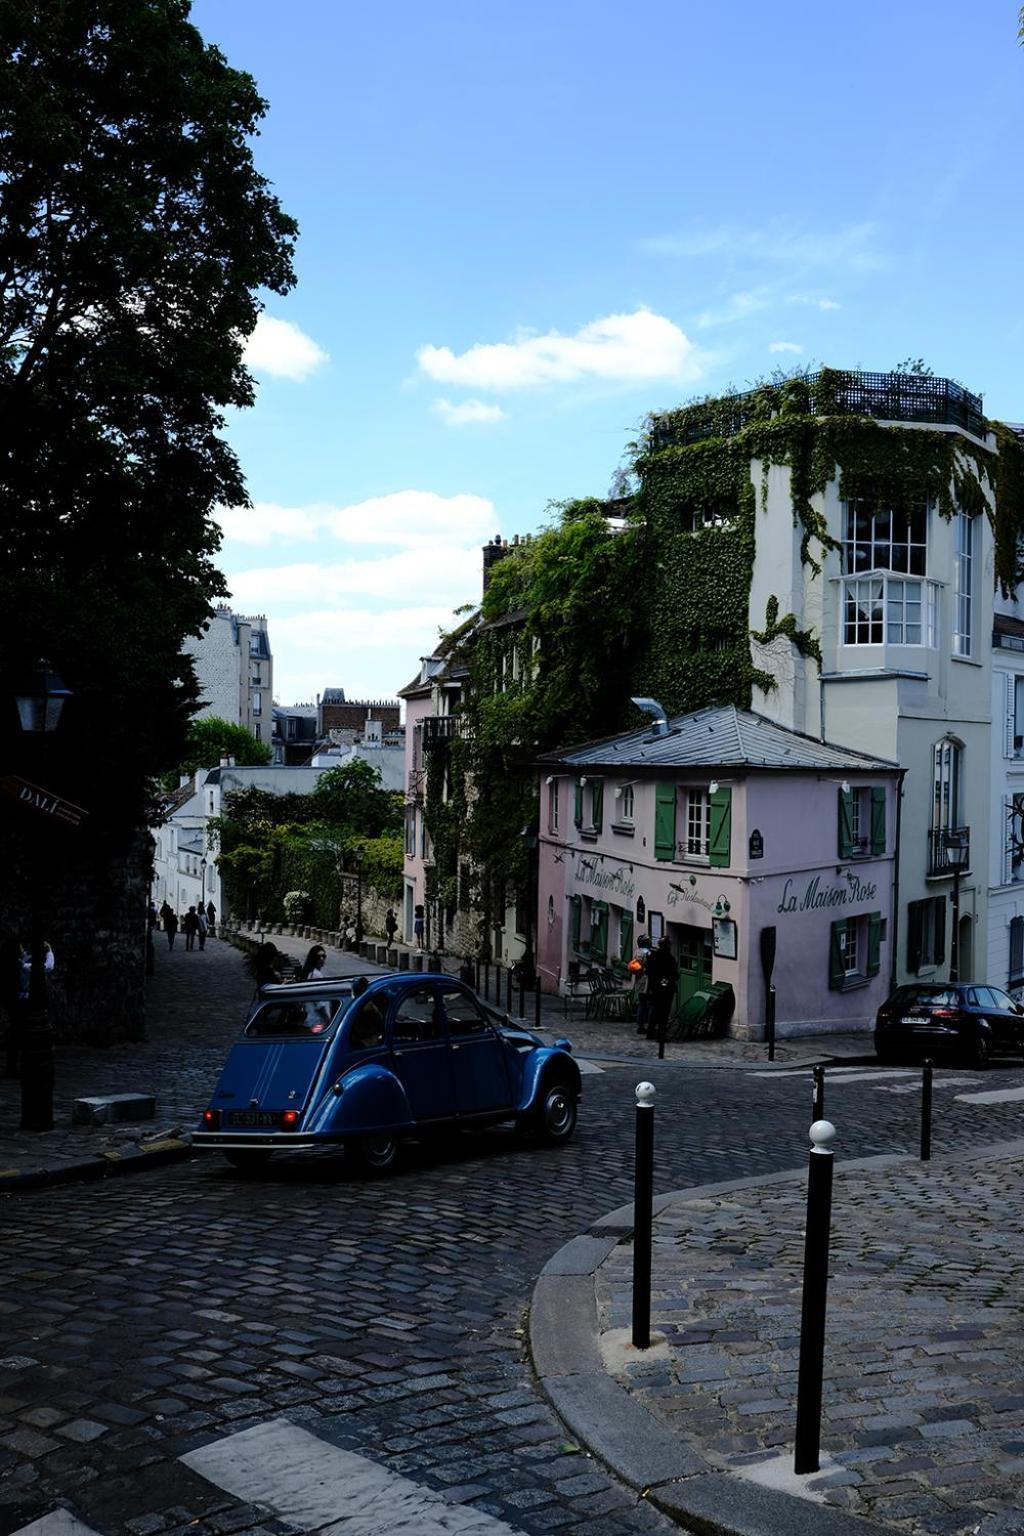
<point x="695" y="954"/>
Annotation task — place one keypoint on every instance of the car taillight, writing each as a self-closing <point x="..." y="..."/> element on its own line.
<point x="289" y="1120"/>
<point x="945" y="1013"/>
<point x="211" y="1119"/>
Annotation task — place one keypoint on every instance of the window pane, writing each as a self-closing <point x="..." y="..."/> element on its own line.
<point x="464" y="1017"/>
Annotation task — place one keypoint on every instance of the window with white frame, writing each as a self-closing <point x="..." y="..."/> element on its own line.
<point x="697" y="822"/>
<point x="879" y="609"/>
<point x="257" y="703"/>
<point x="849" y="946"/>
<point x="947" y="766"/>
<point x="553" y="806"/>
<point x="626" y="803"/>
<point x="963" y="583"/>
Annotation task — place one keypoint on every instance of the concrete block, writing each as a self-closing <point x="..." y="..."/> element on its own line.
<point x="416" y="960"/>
<point x="719" y="1504"/>
<point x="403" y="959"/>
<point x="113" y="1109"/>
<point x="391" y="958"/>
<point x="622" y="1434"/>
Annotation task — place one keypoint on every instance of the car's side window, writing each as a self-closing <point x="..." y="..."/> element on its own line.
<point x="972" y="997"/>
<point x="464" y="1017"/>
<point x="417" y="1019"/>
<point x="1003" y="1001"/>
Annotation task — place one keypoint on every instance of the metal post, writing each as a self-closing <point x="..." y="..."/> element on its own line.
<point x="476" y="975"/>
<point x="359" y="903"/>
<point x="536" y="1002"/>
<point x="487" y="981"/>
<point x="769" y="1021"/>
<point x="954" y="944"/>
<point x="815" y="1294"/>
<point x="662" y="1030"/>
<point x="643" y="1215"/>
<point x="508" y="990"/>
<point x="522" y="994"/>
<point x="819" y="1093"/>
<point x="926" y="1112"/>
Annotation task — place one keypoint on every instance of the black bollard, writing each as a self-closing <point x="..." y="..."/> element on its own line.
<point x="536" y="1004"/>
<point x="643" y="1216"/>
<point x="522" y="995"/>
<point x="487" y="981"/>
<point x="476" y="977"/>
<point x="769" y="1021"/>
<point x="819" y="1094"/>
<point x="812" y="1316"/>
<point x="508" y="990"/>
<point x="926" y="1112"/>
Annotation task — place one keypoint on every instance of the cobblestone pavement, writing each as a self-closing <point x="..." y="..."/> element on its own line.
<point x="924" y="1410"/>
<point x="142" y="1318"/>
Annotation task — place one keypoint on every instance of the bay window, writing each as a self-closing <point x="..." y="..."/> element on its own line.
<point x="878" y="608"/>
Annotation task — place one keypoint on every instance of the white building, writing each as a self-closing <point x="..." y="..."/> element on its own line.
<point x="1005" y="958"/>
<point x="235" y="669"/>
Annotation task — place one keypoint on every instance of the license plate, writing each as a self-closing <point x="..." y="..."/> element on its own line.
<point x="253" y="1117"/>
<point x="910" y="1019"/>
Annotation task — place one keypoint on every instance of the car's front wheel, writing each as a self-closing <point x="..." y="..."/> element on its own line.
<point x="373" y="1154"/>
<point x="556" y="1118"/>
<point x="980" y="1052"/>
<point x="248" y="1162"/>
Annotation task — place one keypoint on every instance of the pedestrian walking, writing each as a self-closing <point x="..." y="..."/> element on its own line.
<point x="201" y="929"/>
<point x="211" y="917"/>
<point x="154" y="916"/>
<point x="418" y="926"/>
<point x="166" y="911"/>
<point x="265" y="965"/>
<point x="663" y="976"/>
<point x="191" y="928"/>
<point x="170" y="926"/>
<point x="313" y="965"/>
<point x="390" y="926"/>
<point x="642" y="985"/>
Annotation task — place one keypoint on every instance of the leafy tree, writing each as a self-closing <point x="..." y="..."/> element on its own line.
<point x="351" y="796"/>
<point x="135" y="235"/>
<point x="211" y="739"/>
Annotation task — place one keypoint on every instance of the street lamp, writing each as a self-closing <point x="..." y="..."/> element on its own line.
<point x="957" y="848"/>
<point x="40" y="705"/>
<point x="530" y="841"/>
<point x="202" y="887"/>
<point x="360" y="856"/>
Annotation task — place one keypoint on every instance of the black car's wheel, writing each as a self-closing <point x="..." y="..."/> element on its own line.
<point x="556" y="1118"/>
<point x="375" y="1155"/>
<point x="250" y="1161"/>
<point x="980" y="1052"/>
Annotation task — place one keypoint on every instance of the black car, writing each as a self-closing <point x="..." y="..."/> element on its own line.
<point x="964" y="1019"/>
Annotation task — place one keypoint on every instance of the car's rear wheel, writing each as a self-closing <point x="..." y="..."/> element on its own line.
<point x="250" y="1161"/>
<point x="373" y="1154"/>
<point x="980" y="1052"/>
<point x="556" y="1118"/>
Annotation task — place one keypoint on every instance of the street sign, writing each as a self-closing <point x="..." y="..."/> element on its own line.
<point x="33" y="798"/>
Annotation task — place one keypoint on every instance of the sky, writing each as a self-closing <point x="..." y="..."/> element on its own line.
<point x="524" y="226"/>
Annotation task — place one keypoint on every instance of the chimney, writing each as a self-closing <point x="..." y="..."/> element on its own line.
<point x="496" y="550"/>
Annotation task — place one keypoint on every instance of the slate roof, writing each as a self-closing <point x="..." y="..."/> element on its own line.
<point x="720" y="737"/>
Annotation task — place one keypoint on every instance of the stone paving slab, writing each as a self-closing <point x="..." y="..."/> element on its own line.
<point x="923" y="1396"/>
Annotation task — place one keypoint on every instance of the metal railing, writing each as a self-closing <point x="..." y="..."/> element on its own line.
<point x="439" y="728"/>
<point x="938" y="853"/>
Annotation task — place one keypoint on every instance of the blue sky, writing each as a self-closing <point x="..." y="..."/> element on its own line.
<point x="524" y="226"/>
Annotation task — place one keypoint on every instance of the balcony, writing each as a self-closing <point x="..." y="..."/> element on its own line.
<point x="416" y="786"/>
<point x="832" y="392"/>
<point x="939" y="862"/>
<point x="442" y="728"/>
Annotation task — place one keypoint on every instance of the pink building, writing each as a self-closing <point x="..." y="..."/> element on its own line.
<point x="713" y="828"/>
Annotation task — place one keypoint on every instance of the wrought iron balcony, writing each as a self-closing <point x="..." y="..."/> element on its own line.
<point x="440" y="728"/>
<point x="832" y="392"/>
<point x="416" y="786"/>
<point x="939" y="862"/>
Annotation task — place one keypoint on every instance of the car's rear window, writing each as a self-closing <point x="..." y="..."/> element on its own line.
<point x="925" y="997"/>
<point x="309" y="1017"/>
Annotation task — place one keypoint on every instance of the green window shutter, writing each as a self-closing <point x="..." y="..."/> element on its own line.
<point x="626" y="936"/>
<point x="940" y="929"/>
<point x="664" y="821"/>
<point x="874" y="964"/>
<point x="877" y="820"/>
<point x="914" y="935"/>
<point x="599" y="930"/>
<point x="578" y="811"/>
<point x="575" y="912"/>
<point x="846" y="823"/>
<point x="836" y="968"/>
<point x="597" y="802"/>
<point x="720" y="805"/>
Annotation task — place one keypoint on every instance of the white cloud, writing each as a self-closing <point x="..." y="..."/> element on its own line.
<point x="327" y="630"/>
<point x="406" y="518"/>
<point x="626" y="348"/>
<point x="853" y="247"/>
<point x="467" y="412"/>
<point x="813" y="301"/>
<point x="449" y="574"/>
<point x="281" y="349"/>
<point x="784" y="346"/>
<point x="738" y="306"/>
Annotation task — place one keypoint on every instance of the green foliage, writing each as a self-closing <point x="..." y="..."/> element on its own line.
<point x="211" y="739"/>
<point x="804" y="640"/>
<point x="351" y="796"/>
<point x="135" y="237"/>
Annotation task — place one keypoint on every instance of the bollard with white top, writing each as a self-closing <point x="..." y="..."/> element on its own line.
<point x="643" y="1214"/>
<point x="815" y="1294"/>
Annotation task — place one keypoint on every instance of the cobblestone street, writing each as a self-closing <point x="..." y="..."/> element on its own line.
<point x="144" y="1318"/>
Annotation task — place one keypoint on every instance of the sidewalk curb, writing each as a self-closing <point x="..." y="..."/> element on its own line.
<point x="171" y="1149"/>
<point x="608" y="1421"/>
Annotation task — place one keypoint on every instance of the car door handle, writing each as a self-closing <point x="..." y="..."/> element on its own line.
<point x="398" y="1053"/>
<point x="456" y="1047"/>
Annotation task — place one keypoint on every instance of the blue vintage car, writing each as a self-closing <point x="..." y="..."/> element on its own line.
<point x="368" y="1063"/>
